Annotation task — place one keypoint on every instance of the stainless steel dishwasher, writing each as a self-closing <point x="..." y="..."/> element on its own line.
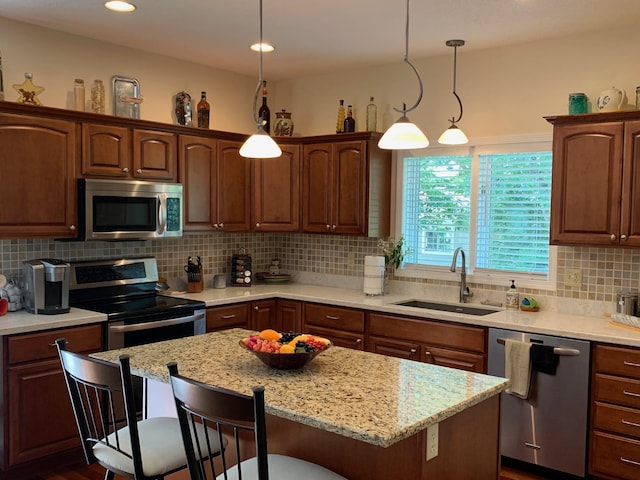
<point x="549" y="428"/>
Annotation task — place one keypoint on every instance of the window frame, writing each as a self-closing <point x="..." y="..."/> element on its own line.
<point x="512" y="143"/>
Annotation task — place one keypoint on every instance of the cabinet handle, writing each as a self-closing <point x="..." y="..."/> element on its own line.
<point x="613" y="237"/>
<point x="632" y="462"/>
<point x="125" y="169"/>
<point x="631" y="424"/>
<point x="532" y="445"/>
<point x="329" y="317"/>
<point x="623" y="238"/>
<point x="72" y="227"/>
<point x="427" y="355"/>
<point x="227" y="317"/>
<point x="412" y="351"/>
<point x="358" y="340"/>
<point x="631" y="394"/>
<point x="631" y="364"/>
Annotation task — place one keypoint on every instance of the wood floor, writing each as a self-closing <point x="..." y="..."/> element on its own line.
<point x="82" y="471"/>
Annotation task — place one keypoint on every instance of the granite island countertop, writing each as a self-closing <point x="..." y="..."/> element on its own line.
<point x="369" y="397"/>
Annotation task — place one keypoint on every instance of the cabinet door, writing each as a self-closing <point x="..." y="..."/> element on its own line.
<point x="106" y="150"/>
<point x="154" y="155"/>
<point x="198" y="175"/>
<point x="317" y="188"/>
<point x="232" y="316"/>
<point x="234" y="188"/>
<point x="587" y="180"/>
<point x="38" y="163"/>
<point x="630" y="215"/>
<point x="276" y="195"/>
<point x="263" y="315"/>
<point x="350" y="180"/>
<point x="289" y="316"/>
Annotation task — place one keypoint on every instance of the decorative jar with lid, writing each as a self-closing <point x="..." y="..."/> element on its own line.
<point x="284" y="124"/>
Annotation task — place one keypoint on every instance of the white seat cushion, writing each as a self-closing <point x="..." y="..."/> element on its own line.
<point x="160" y="444"/>
<point x="282" y="467"/>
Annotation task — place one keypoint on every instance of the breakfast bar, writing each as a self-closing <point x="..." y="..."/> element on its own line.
<point x="363" y="415"/>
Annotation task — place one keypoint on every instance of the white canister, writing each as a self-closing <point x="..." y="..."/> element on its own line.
<point x="373" y="283"/>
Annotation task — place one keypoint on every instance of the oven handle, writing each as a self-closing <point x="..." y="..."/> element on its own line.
<point x="160" y="323"/>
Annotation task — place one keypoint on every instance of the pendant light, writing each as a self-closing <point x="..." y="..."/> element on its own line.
<point x="453" y="135"/>
<point x="404" y="135"/>
<point x="260" y="144"/>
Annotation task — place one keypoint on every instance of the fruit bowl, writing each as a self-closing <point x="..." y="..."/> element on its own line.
<point x="286" y="361"/>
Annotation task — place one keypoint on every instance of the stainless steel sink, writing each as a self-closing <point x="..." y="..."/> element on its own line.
<point x="447" y="307"/>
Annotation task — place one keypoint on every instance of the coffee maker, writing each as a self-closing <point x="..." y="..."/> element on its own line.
<point x="46" y="286"/>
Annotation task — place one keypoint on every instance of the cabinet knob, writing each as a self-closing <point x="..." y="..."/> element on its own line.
<point x="613" y="237"/>
<point x="72" y="227"/>
<point x="257" y="225"/>
<point x="221" y="225"/>
<point x="427" y="355"/>
<point x="333" y="228"/>
<point x="358" y="340"/>
<point x="125" y="169"/>
<point x="215" y="225"/>
<point x="623" y="238"/>
<point x="139" y="170"/>
<point x="256" y="308"/>
<point x="412" y="351"/>
<point x="328" y="227"/>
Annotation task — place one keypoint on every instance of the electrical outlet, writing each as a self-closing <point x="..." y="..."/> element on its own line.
<point x="432" y="441"/>
<point x="572" y="277"/>
<point x="351" y="259"/>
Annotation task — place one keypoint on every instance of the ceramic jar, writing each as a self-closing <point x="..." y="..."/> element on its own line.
<point x="284" y="124"/>
<point x="611" y="100"/>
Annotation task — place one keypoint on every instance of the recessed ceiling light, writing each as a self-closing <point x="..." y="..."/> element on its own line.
<point x="118" y="6"/>
<point x="266" y="48"/>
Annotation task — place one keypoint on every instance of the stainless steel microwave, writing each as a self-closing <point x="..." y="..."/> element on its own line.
<point x="129" y="210"/>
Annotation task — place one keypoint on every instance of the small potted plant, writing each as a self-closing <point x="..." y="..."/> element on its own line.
<point x="394" y="253"/>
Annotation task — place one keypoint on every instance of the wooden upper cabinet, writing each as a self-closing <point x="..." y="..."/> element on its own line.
<point x="121" y="152"/>
<point x="234" y="188"/>
<point x="38" y="161"/>
<point x="276" y="191"/>
<point x="198" y="175"/>
<point x="346" y="186"/>
<point x="595" y="183"/>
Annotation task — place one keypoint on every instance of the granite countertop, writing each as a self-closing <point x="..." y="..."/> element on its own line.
<point x="546" y="322"/>
<point x="373" y="398"/>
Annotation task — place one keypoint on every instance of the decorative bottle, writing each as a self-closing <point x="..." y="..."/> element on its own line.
<point x="349" y="122"/>
<point x="204" y="111"/>
<point x="264" y="114"/>
<point x="513" y="297"/>
<point x="78" y="94"/>
<point x="372" y="116"/>
<point x="340" y="122"/>
<point x="97" y="97"/>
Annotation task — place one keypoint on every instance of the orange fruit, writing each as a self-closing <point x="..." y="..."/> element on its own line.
<point x="287" y="348"/>
<point x="269" y="334"/>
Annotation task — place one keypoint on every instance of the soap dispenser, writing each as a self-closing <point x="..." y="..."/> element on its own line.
<point x="513" y="297"/>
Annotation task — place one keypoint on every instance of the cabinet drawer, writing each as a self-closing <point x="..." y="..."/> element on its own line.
<point x="427" y="331"/>
<point x="394" y="348"/>
<point x="41" y="346"/>
<point x="613" y="418"/>
<point x="338" y="337"/>
<point x="622" y="391"/>
<point x="334" y="317"/>
<point x="615" y="456"/>
<point x="617" y="360"/>
<point x="222" y="318"/>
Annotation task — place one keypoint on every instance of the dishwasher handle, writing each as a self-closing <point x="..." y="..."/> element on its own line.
<point x="563" y="351"/>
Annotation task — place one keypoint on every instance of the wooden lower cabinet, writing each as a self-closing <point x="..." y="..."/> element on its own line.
<point x="228" y="316"/>
<point x="345" y="327"/>
<point x="263" y="315"/>
<point x="37" y="418"/>
<point x="289" y="315"/>
<point x="440" y="343"/>
<point x="614" y="451"/>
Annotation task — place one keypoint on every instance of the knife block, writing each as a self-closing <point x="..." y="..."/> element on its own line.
<point x="195" y="285"/>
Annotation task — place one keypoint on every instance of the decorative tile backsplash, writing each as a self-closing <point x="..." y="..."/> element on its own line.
<point x="604" y="270"/>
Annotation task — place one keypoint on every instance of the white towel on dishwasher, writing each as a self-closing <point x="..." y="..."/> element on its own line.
<point x="517" y="356"/>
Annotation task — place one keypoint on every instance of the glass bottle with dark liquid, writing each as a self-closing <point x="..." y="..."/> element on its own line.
<point x="264" y="114"/>
<point x="204" y="111"/>
<point x="349" y="122"/>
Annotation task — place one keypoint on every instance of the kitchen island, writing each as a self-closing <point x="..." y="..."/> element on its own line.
<point x="363" y="415"/>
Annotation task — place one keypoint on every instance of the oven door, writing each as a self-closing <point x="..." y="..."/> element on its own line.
<point x="127" y="333"/>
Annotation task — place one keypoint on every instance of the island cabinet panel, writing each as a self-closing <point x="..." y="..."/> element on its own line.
<point x="346" y="186"/>
<point x="128" y="153"/>
<point x="343" y="326"/>
<point x="441" y="343"/>
<point x="276" y="192"/>
<point x="595" y="196"/>
<point x="615" y="413"/>
<point x="263" y="315"/>
<point x="38" y="161"/>
<point x="289" y="315"/>
<point x="37" y="418"/>
<point x="229" y="316"/>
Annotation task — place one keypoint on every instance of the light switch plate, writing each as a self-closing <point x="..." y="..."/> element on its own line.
<point x="572" y="277"/>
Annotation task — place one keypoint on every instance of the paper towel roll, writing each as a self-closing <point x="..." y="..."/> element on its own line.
<point x="373" y="283"/>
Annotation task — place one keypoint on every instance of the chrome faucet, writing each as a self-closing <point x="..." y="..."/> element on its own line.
<point x="464" y="290"/>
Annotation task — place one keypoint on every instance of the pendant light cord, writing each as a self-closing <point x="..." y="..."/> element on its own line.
<point x="404" y="109"/>
<point x="258" y="122"/>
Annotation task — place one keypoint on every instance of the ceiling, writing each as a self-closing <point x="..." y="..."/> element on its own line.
<point x="320" y="36"/>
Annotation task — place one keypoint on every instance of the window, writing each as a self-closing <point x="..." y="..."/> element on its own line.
<point x="492" y="199"/>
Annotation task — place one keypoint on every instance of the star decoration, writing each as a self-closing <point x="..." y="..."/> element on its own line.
<point x="28" y="91"/>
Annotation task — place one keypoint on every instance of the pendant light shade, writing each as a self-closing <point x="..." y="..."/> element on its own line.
<point x="453" y="135"/>
<point x="404" y="135"/>
<point x="260" y="144"/>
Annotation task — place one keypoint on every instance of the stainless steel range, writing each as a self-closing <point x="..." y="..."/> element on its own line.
<point x="125" y="290"/>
